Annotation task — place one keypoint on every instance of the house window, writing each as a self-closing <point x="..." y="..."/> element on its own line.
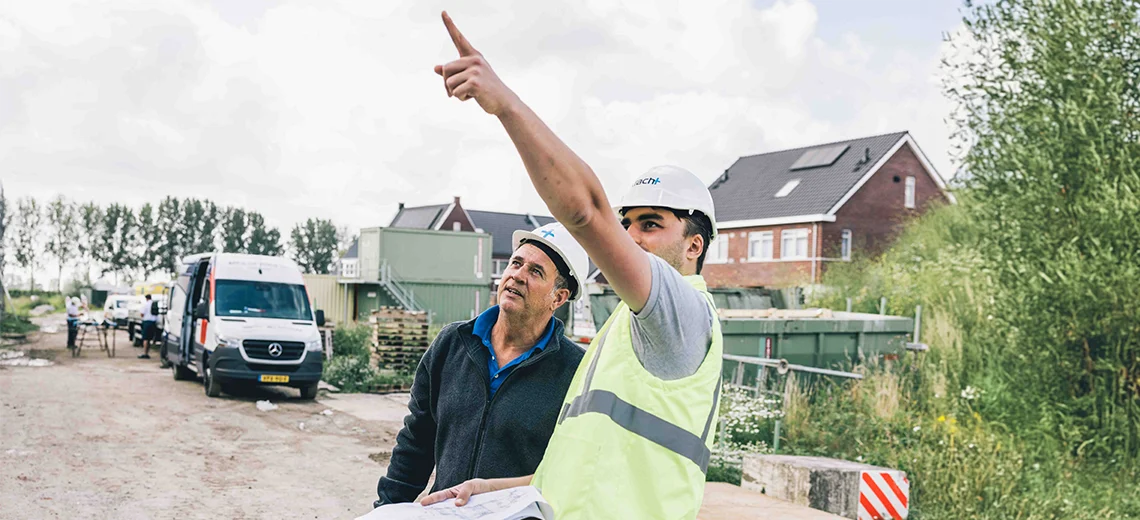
<point x="500" y="265"/>
<point x="456" y="226"/>
<point x="791" y="185"/>
<point x="910" y="192"/>
<point x="760" y="245"/>
<point x="718" y="251"/>
<point x="793" y="243"/>
<point x="845" y="245"/>
<point x="349" y="268"/>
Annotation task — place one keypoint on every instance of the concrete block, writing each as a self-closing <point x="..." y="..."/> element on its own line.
<point x="830" y="485"/>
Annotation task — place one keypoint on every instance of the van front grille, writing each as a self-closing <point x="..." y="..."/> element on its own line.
<point x="259" y="349"/>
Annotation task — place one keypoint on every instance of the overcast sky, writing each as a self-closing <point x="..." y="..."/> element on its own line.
<point x="330" y="109"/>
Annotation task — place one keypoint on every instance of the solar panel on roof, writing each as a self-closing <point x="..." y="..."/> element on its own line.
<point x="816" y="157"/>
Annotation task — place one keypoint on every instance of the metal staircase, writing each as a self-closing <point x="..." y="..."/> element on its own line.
<point x="393" y="284"/>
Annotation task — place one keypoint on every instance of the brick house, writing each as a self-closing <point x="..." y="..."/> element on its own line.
<point x="782" y="217"/>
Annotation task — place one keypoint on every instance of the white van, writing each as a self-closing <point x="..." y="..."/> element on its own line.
<point x="236" y="318"/>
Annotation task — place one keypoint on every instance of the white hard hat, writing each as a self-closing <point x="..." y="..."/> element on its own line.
<point x="555" y="236"/>
<point x="670" y="187"/>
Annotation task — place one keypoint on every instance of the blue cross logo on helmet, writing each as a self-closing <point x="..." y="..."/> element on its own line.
<point x="546" y="233"/>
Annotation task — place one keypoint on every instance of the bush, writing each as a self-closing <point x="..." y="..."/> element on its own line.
<point x="349" y="373"/>
<point x="15" y="323"/>
<point x="352" y="340"/>
<point x="350" y="367"/>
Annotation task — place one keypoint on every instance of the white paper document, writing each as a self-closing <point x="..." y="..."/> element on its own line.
<point x="509" y="504"/>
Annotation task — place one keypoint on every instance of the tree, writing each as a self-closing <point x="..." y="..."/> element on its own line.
<point x="208" y="228"/>
<point x="149" y="242"/>
<point x="313" y="245"/>
<point x="1048" y="107"/>
<point x="234" y="231"/>
<point x="119" y="235"/>
<point x="64" y="234"/>
<point x="27" y="240"/>
<point x="90" y="227"/>
<point x="169" y="250"/>
<point x="262" y="241"/>
<point x="188" y="227"/>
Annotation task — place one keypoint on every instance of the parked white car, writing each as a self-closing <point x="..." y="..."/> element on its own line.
<point x="118" y="307"/>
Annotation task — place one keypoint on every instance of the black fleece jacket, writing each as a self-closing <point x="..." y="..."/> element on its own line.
<point x="455" y="426"/>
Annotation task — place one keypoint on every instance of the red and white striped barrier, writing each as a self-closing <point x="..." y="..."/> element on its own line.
<point x="883" y="495"/>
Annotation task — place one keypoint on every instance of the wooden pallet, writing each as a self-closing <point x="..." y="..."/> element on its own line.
<point x="390" y="389"/>
<point x="399" y="348"/>
<point x="398" y="340"/>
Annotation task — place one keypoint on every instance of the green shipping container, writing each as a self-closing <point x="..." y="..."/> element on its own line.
<point x="838" y="342"/>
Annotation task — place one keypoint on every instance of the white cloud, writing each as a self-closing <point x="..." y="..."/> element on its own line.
<point x="331" y="109"/>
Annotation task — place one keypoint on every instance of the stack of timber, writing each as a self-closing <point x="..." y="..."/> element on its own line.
<point x="399" y="339"/>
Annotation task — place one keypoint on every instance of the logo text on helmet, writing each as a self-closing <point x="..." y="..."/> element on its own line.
<point x="647" y="180"/>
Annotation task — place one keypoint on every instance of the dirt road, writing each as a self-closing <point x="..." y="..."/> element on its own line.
<point x="93" y="437"/>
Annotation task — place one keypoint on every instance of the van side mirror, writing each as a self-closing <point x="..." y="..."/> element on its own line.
<point x="202" y="311"/>
<point x="320" y="318"/>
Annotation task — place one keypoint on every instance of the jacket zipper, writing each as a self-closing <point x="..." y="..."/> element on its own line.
<point x="487" y="407"/>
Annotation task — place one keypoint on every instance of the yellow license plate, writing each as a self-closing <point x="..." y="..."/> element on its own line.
<point x="274" y="379"/>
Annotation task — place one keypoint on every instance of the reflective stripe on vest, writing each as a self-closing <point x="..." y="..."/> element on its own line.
<point x="638" y="421"/>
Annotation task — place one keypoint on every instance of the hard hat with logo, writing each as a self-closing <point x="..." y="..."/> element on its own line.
<point x="670" y="187"/>
<point x="568" y="256"/>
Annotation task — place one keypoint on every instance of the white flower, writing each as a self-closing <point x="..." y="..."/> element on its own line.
<point x="970" y="393"/>
<point x="916" y="428"/>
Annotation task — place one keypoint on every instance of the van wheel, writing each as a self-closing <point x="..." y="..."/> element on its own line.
<point x="309" y="392"/>
<point x="180" y="372"/>
<point x="213" y="386"/>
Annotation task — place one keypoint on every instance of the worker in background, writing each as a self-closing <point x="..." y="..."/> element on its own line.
<point x="72" y="305"/>
<point x="149" y="329"/>
<point x="636" y="430"/>
<point x="487" y="393"/>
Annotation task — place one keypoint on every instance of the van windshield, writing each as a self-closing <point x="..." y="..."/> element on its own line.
<point x="242" y="298"/>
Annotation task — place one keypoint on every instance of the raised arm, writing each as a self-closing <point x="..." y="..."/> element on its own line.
<point x="564" y="181"/>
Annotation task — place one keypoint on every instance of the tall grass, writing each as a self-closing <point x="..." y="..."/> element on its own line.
<point x="973" y="437"/>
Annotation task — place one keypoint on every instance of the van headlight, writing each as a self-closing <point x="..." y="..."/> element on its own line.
<point x="313" y="345"/>
<point x="224" y="341"/>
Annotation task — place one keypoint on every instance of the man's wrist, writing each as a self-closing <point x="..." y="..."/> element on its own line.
<point x="511" y="109"/>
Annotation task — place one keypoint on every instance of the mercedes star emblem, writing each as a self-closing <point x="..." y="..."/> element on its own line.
<point x="275" y="349"/>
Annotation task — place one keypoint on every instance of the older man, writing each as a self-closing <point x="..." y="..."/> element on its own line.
<point x="488" y="391"/>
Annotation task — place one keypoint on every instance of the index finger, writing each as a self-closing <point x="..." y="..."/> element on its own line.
<point x="461" y="44"/>
<point x="438" y="496"/>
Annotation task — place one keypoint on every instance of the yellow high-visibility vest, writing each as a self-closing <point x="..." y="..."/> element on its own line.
<point x="628" y="444"/>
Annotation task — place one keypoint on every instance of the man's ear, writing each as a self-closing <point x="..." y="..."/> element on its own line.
<point x="696" y="246"/>
<point x="561" y="296"/>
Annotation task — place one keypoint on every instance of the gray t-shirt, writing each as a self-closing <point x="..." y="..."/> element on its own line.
<point x="673" y="332"/>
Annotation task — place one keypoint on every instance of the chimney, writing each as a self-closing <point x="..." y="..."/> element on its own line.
<point x="456" y="200"/>
<point x="401" y="205"/>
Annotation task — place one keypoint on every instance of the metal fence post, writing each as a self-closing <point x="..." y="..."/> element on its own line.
<point x="917" y="322"/>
